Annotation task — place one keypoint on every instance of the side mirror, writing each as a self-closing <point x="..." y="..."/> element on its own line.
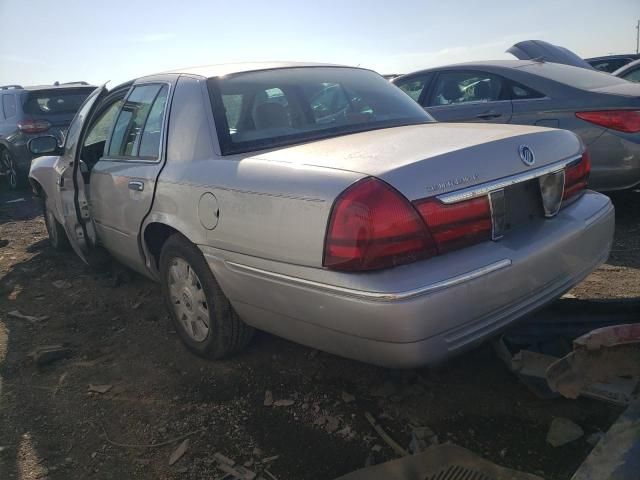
<point x="47" y="144"/>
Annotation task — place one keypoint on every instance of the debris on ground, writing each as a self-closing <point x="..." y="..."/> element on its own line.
<point x="601" y="355"/>
<point x="29" y="318"/>
<point x="47" y="354"/>
<point x="563" y="431"/>
<point x="99" y="388"/>
<point x="179" y="452"/>
<point x="540" y="352"/>
<point x="594" y="438"/>
<point x="421" y="439"/>
<point x="232" y="469"/>
<point x="441" y="461"/>
<point x="268" y="398"/>
<point x="617" y="454"/>
<point x="61" y="284"/>
<point x="347" y="397"/>
<point x="283" y="403"/>
<point x="385" y="436"/>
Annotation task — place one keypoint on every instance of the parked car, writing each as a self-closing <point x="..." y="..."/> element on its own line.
<point x="359" y="227"/>
<point x="602" y="109"/>
<point x="27" y="112"/>
<point x="611" y="63"/>
<point x="630" y="72"/>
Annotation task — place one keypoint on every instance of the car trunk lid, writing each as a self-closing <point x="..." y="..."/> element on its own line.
<point x="433" y="159"/>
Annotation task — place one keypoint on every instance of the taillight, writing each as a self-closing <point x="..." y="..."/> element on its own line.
<point x="622" y="120"/>
<point x="456" y="225"/>
<point x="373" y="226"/>
<point x="576" y="177"/>
<point x="34" y="126"/>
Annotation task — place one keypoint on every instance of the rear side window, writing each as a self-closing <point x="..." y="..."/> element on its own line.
<point x="633" y="75"/>
<point x="520" y="92"/>
<point x="610" y="65"/>
<point x="413" y="86"/>
<point x="140" y="119"/>
<point x="52" y="102"/>
<point x="9" y="105"/>
<point x="466" y="87"/>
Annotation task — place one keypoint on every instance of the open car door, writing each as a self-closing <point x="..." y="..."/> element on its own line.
<point x="70" y="182"/>
<point x="540" y="50"/>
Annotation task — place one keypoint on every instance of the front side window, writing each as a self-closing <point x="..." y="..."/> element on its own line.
<point x="467" y="87"/>
<point x="263" y="109"/>
<point x="9" y="105"/>
<point x="145" y="104"/>
<point x="413" y="86"/>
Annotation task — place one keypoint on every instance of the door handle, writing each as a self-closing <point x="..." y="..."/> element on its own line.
<point x="136" y="185"/>
<point x="487" y="115"/>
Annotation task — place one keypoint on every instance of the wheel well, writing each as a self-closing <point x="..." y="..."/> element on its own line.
<point x="155" y="236"/>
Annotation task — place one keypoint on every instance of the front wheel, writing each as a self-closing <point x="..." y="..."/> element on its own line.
<point x="202" y="315"/>
<point x="57" y="235"/>
<point x="16" y="178"/>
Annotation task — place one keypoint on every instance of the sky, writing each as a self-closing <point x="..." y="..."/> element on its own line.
<point x="42" y="41"/>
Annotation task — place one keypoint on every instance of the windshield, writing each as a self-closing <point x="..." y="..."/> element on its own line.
<point x="573" y="76"/>
<point x="263" y="109"/>
<point x="56" y="101"/>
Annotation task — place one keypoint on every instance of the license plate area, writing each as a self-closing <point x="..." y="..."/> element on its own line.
<point x="516" y="206"/>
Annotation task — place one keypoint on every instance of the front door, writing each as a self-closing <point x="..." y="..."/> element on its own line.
<point x="469" y="96"/>
<point x="123" y="180"/>
<point x="71" y="185"/>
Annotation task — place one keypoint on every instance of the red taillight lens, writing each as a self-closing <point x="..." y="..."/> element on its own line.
<point x="576" y="177"/>
<point x="622" y="120"/>
<point x="456" y="225"/>
<point x="373" y="226"/>
<point x="34" y="126"/>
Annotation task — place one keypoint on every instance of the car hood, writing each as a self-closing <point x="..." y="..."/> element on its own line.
<point x="447" y="155"/>
<point x="538" y="49"/>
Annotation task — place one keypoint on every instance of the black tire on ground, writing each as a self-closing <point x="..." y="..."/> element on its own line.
<point x="227" y="333"/>
<point x="57" y="235"/>
<point x="17" y="178"/>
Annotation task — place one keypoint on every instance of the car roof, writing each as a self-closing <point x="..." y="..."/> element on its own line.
<point x="482" y="64"/>
<point x="31" y="88"/>
<point x="220" y="70"/>
<point x="612" y="57"/>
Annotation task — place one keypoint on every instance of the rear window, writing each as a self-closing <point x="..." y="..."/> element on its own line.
<point x="577" y="77"/>
<point x="263" y="109"/>
<point x="51" y="102"/>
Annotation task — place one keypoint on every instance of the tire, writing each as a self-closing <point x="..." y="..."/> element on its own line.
<point x="57" y="235"/>
<point x="202" y="315"/>
<point x="16" y="177"/>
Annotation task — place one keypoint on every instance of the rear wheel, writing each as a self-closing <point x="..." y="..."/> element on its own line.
<point x="57" y="234"/>
<point x="16" y="177"/>
<point x="202" y="315"/>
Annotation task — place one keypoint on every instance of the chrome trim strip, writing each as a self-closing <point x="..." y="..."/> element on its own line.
<point x="368" y="295"/>
<point x="485" y="188"/>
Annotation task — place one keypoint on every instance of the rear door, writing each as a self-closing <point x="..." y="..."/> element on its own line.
<point x="123" y="180"/>
<point x="469" y="96"/>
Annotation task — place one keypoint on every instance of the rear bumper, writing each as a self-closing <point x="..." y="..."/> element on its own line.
<point x="425" y="312"/>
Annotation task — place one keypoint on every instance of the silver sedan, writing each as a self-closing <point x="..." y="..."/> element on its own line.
<point x="322" y="204"/>
<point x="604" y="111"/>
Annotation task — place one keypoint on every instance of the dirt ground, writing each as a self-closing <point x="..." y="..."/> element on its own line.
<point x="118" y="334"/>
